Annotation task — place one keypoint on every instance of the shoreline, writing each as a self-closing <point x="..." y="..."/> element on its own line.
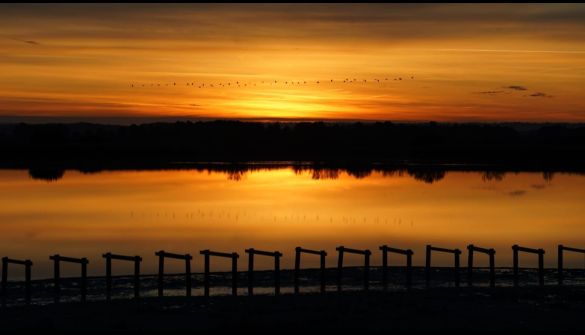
<point x="42" y="290"/>
<point x="95" y="146"/>
<point x="526" y="308"/>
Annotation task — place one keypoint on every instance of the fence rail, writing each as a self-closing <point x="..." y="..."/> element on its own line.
<point x="472" y="249"/>
<point x="456" y="253"/>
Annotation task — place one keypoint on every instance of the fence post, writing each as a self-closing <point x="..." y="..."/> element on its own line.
<point x="234" y="274"/>
<point x="188" y="274"/>
<point x="137" y="260"/>
<point x="491" y="253"/>
<point x="161" y="270"/>
<point x="428" y="266"/>
<point x="385" y="267"/>
<point x="297" y="272"/>
<point x="27" y="279"/>
<point x="409" y="269"/>
<point x="457" y="274"/>
<point x="339" y="268"/>
<point x="4" y="280"/>
<point x="84" y="262"/>
<point x="457" y="255"/>
<point x="276" y="255"/>
<point x="515" y="264"/>
<point x="57" y="278"/>
<point x="469" y="264"/>
<point x="207" y="272"/>
<point x="136" y="278"/>
<point x="560" y="264"/>
<point x="366" y="253"/>
<point x="322" y="256"/>
<point x="57" y="262"/>
<point x="406" y="252"/>
<point x="492" y="268"/>
<point x="367" y="270"/>
<point x="251" y="272"/>
<point x="108" y="276"/>
<point x="206" y="275"/>
<point x="541" y="267"/>
<point x="277" y="274"/>
<point x="539" y="252"/>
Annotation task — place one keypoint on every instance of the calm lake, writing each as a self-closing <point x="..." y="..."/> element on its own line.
<point x="188" y="210"/>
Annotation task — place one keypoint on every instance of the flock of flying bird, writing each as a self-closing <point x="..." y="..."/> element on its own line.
<point x="270" y="82"/>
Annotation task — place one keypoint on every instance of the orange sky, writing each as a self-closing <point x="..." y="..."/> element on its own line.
<point x="471" y="62"/>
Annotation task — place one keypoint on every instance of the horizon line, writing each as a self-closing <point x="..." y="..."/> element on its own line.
<point x="129" y="120"/>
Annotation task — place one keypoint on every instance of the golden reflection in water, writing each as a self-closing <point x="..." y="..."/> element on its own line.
<point x="184" y="211"/>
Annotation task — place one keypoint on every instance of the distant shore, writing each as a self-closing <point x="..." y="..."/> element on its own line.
<point x="86" y="146"/>
<point x="529" y="308"/>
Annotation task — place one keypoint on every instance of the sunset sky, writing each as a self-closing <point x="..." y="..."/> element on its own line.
<point x="475" y="62"/>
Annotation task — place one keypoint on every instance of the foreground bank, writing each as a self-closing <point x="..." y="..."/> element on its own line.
<point x="527" y="308"/>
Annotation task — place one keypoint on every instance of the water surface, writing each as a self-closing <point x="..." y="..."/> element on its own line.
<point x="188" y="210"/>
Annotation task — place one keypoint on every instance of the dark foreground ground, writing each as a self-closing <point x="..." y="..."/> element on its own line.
<point x="528" y="308"/>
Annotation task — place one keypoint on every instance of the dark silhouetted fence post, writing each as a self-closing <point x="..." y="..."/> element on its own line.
<point x="428" y="266"/>
<point x="57" y="259"/>
<point x="469" y="264"/>
<point x="561" y="249"/>
<point x="366" y="253"/>
<point x="57" y="278"/>
<point x="457" y="272"/>
<point x="276" y="273"/>
<point x="491" y="253"/>
<point x="455" y="252"/>
<point x="339" y="267"/>
<point x="206" y="276"/>
<point x="161" y="271"/>
<point x="367" y="270"/>
<point x="83" y="279"/>
<point x="492" y="268"/>
<point x="515" y="264"/>
<point x="541" y="267"/>
<point x="108" y="276"/>
<point x="384" y="267"/>
<point x="297" y="273"/>
<point x="4" y="280"/>
<point x="27" y="274"/>
<point x="409" y="268"/>
<point x="323" y="270"/>
<point x="539" y="252"/>
<point x="560" y="264"/>
<point x="251" y="252"/>
<point x="407" y="252"/>
<point x="161" y="259"/>
<point x="297" y="268"/>
<point x="235" y="274"/>
<point x="136" y="259"/>
<point x="188" y="274"/>
<point x="27" y="280"/>
<point x="250" y="271"/>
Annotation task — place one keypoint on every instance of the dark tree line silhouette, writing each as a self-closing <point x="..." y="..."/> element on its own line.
<point x="237" y="172"/>
<point x="88" y="146"/>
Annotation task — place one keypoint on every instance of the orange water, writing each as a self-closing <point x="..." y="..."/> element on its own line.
<point x="185" y="211"/>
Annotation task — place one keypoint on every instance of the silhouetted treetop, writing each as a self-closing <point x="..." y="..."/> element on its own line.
<point x="352" y="143"/>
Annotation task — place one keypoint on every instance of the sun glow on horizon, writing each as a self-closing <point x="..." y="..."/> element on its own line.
<point x="444" y="62"/>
